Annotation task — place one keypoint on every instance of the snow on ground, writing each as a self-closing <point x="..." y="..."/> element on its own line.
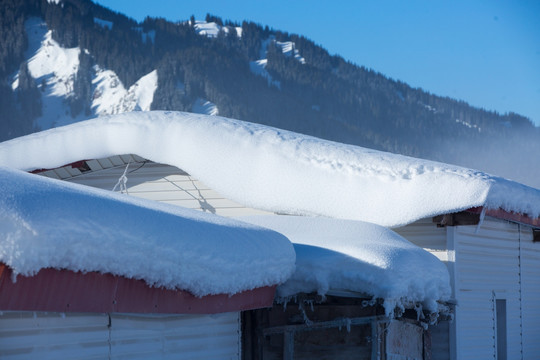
<point x="205" y="107"/>
<point x="343" y="255"/>
<point x="277" y="170"/>
<point x="46" y="223"/>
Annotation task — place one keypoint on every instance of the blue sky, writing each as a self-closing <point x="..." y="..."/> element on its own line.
<point x="486" y="53"/>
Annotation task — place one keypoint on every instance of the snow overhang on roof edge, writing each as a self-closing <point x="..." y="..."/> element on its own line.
<point x="287" y="172"/>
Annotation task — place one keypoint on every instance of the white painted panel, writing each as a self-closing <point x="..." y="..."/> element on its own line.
<point x="29" y="335"/>
<point x="162" y="183"/>
<point x="425" y="234"/>
<point x="530" y="274"/>
<point x="175" y="336"/>
<point x="486" y="268"/>
<point x="62" y="173"/>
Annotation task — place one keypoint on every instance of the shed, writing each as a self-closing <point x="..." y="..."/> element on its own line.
<point x="234" y="168"/>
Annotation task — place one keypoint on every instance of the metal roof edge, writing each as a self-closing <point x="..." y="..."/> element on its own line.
<point x="69" y="291"/>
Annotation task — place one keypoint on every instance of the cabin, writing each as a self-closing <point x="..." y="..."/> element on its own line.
<point x="486" y="241"/>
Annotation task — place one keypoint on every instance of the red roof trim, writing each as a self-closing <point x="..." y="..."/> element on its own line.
<point x="74" y="165"/>
<point x="508" y="215"/>
<point x="68" y="291"/>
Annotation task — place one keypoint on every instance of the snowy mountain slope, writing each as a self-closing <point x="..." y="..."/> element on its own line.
<point x="111" y="97"/>
<point x="55" y="68"/>
<point x="258" y="67"/>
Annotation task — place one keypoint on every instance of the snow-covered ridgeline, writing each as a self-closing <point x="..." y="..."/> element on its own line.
<point x="277" y="170"/>
<point x="353" y="256"/>
<point x="46" y="223"/>
<point x="54" y="69"/>
<point x="212" y="29"/>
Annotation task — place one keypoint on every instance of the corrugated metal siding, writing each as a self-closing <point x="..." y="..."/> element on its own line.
<point x="486" y="268"/>
<point x="157" y="182"/>
<point x="27" y="335"/>
<point x="530" y="283"/>
<point x="36" y="335"/>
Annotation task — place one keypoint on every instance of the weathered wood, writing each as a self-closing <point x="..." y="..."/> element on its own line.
<point x="288" y="345"/>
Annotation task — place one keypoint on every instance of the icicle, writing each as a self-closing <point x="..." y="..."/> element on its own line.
<point x="482" y="216"/>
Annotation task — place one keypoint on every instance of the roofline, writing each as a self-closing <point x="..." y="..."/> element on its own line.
<point x="68" y="291"/>
<point x="507" y="215"/>
<point x="85" y="166"/>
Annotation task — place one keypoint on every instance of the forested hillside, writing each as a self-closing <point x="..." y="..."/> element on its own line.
<point x="244" y="71"/>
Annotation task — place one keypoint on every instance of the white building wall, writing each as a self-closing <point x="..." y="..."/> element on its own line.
<point x="486" y="268"/>
<point x="530" y="283"/>
<point x="29" y="335"/>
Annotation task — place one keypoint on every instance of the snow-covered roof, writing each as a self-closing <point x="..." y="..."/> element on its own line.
<point x="277" y="170"/>
<point x="353" y="256"/>
<point x="46" y="223"/>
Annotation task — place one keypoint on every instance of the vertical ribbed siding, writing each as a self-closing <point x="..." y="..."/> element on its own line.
<point x="37" y="335"/>
<point x="487" y="268"/>
<point x="28" y="335"/>
<point x="175" y="336"/>
<point x="530" y="282"/>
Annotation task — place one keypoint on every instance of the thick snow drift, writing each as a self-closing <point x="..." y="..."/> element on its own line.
<point x="277" y="170"/>
<point x="47" y="223"/>
<point x="344" y="255"/>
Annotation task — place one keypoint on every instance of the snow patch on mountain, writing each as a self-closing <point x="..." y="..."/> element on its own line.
<point x="289" y="49"/>
<point x="111" y="97"/>
<point x="212" y="29"/>
<point x="469" y="125"/>
<point x="258" y="67"/>
<point x="205" y="107"/>
<point x="55" y="68"/>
